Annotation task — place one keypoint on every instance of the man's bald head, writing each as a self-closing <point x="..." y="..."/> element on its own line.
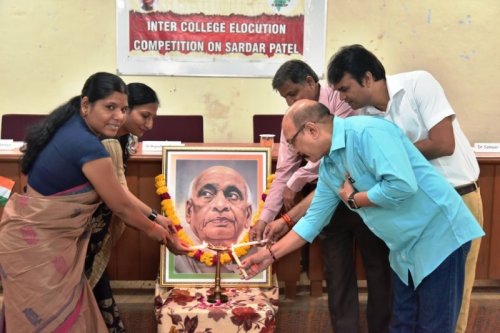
<point x="307" y="127"/>
<point x="219" y="207"/>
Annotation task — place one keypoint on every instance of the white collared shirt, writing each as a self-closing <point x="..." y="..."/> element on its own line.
<point x="417" y="103"/>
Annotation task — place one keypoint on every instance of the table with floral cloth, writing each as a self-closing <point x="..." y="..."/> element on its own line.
<point x="187" y="310"/>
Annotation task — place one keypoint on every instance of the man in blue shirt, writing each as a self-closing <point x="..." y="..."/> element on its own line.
<point x="370" y="164"/>
<point x="417" y="103"/>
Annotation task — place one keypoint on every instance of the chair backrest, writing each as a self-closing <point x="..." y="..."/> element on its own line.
<point x="16" y="126"/>
<point x="176" y="128"/>
<point x="267" y="124"/>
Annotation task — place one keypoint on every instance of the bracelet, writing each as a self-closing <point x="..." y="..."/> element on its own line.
<point x="288" y="220"/>
<point x="271" y="253"/>
<point x="153" y="215"/>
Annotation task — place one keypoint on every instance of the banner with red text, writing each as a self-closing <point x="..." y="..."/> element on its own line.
<point x="218" y="37"/>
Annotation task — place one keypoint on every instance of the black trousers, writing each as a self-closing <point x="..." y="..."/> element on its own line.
<point x="337" y="246"/>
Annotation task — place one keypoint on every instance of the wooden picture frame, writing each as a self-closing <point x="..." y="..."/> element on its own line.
<point x="217" y="204"/>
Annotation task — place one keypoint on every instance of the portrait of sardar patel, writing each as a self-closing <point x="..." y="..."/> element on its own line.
<point x="218" y="210"/>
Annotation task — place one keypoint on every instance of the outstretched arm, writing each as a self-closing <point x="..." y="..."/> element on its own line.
<point x="173" y="244"/>
<point x="101" y="175"/>
<point x="277" y="228"/>
<point x="259" y="261"/>
<point x="115" y="151"/>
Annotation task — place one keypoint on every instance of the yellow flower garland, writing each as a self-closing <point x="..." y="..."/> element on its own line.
<point x="205" y="257"/>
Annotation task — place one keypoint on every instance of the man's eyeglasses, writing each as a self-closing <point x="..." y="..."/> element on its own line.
<point x="291" y="142"/>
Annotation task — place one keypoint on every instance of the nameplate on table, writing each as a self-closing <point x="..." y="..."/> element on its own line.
<point x="9" y="144"/>
<point x="487" y="147"/>
<point x="157" y="146"/>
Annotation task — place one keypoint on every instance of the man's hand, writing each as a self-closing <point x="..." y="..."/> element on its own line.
<point x="257" y="262"/>
<point x="257" y="230"/>
<point x="290" y="198"/>
<point x="275" y="230"/>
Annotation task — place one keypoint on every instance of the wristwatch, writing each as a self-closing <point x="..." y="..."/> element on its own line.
<point x="351" y="202"/>
<point x="153" y="215"/>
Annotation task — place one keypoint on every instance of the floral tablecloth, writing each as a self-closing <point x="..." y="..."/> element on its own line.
<point x="186" y="310"/>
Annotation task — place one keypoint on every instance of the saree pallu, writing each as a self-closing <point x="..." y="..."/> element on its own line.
<point x="43" y="241"/>
<point x="106" y="231"/>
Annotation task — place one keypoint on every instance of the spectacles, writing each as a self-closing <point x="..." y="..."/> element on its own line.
<point x="291" y="142"/>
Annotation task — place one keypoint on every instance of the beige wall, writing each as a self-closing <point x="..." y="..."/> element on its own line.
<point x="48" y="48"/>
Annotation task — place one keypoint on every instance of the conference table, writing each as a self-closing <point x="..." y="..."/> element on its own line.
<point x="136" y="257"/>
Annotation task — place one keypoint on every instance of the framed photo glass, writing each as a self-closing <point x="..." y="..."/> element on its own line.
<point x="213" y="198"/>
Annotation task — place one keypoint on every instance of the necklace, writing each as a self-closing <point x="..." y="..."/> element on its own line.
<point x="206" y="257"/>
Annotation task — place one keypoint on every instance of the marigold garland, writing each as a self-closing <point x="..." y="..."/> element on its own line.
<point x="207" y="258"/>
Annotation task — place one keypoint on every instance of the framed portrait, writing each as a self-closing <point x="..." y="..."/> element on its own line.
<point x="213" y="196"/>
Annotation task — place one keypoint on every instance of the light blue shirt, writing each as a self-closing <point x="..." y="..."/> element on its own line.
<point x="418" y="214"/>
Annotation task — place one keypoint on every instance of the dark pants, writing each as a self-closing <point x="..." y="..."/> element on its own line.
<point x="337" y="247"/>
<point x="434" y="305"/>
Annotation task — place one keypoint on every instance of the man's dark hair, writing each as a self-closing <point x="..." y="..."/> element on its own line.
<point x="295" y="71"/>
<point x="356" y="61"/>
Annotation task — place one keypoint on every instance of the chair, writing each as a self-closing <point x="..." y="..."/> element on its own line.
<point x="16" y="126"/>
<point x="267" y="124"/>
<point x="176" y="128"/>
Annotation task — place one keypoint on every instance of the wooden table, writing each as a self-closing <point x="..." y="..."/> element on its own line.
<point x="136" y="257"/>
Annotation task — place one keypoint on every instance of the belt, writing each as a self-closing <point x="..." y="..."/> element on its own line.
<point x="465" y="189"/>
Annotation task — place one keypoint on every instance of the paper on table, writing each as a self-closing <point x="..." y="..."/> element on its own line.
<point x="9" y="144"/>
<point x="487" y="147"/>
<point x="157" y="145"/>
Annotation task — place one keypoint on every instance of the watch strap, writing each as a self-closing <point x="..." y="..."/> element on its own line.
<point x="153" y="215"/>
<point x="351" y="201"/>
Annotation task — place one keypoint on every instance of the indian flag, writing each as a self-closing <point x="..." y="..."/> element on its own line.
<point x="6" y="186"/>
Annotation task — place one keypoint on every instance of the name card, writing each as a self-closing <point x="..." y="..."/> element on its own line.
<point x="487" y="147"/>
<point x="8" y="144"/>
<point x="156" y="146"/>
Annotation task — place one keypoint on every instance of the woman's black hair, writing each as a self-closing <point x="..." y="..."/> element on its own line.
<point x="138" y="94"/>
<point x="98" y="86"/>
